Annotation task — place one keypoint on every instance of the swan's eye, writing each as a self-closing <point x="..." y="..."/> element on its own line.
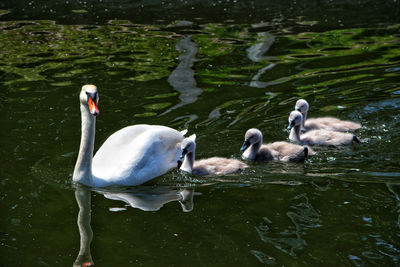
<point x="92" y="95"/>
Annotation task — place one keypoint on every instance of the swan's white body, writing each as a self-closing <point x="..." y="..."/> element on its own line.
<point x="136" y="154"/>
<point x="130" y="156"/>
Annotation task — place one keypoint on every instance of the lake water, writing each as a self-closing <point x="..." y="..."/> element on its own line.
<point x="216" y="69"/>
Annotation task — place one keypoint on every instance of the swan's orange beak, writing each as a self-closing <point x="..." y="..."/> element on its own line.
<point x="93" y="107"/>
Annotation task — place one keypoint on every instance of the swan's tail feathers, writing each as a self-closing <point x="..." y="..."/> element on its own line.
<point x="356" y="139"/>
<point x="184" y="132"/>
<point x="305" y="151"/>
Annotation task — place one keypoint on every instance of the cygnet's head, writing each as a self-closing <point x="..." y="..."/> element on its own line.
<point x="188" y="145"/>
<point x="302" y="106"/>
<point x="295" y="119"/>
<point x="90" y="98"/>
<point x="252" y="136"/>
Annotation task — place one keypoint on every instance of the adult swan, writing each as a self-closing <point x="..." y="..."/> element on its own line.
<point x="131" y="156"/>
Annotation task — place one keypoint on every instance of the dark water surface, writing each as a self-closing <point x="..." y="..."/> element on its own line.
<point x="216" y="69"/>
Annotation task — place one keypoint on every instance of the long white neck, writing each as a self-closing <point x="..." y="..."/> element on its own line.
<point x="83" y="166"/>
<point x="295" y="134"/>
<point x="187" y="164"/>
<point x="251" y="152"/>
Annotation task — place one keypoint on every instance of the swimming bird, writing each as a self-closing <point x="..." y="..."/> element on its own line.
<point x="326" y="123"/>
<point x="280" y="151"/>
<point x="317" y="137"/>
<point x="209" y="166"/>
<point x="130" y="156"/>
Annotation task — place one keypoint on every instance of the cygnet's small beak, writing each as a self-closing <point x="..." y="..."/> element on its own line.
<point x="291" y="125"/>
<point x="245" y="145"/>
<point x="297" y="109"/>
<point x="184" y="152"/>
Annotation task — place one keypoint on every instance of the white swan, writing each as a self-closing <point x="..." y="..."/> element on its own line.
<point x="209" y="166"/>
<point x="325" y="123"/>
<point x="317" y="137"/>
<point x="131" y="156"/>
<point x="254" y="149"/>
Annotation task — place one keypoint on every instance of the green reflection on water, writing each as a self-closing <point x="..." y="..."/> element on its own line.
<point x="39" y="50"/>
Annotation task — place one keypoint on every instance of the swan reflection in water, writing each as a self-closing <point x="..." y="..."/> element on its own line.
<point x="146" y="198"/>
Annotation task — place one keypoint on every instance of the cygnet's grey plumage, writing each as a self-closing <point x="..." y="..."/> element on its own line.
<point x="209" y="166"/>
<point x="280" y="151"/>
<point x="325" y="123"/>
<point x="317" y="137"/>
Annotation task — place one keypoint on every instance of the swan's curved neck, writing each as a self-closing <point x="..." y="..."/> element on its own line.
<point x="187" y="164"/>
<point x="83" y="166"/>
<point x="295" y="134"/>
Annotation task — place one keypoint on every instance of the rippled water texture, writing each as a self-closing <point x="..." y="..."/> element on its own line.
<point x="216" y="77"/>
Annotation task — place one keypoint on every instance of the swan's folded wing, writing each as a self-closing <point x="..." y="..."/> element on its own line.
<point x="137" y="154"/>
